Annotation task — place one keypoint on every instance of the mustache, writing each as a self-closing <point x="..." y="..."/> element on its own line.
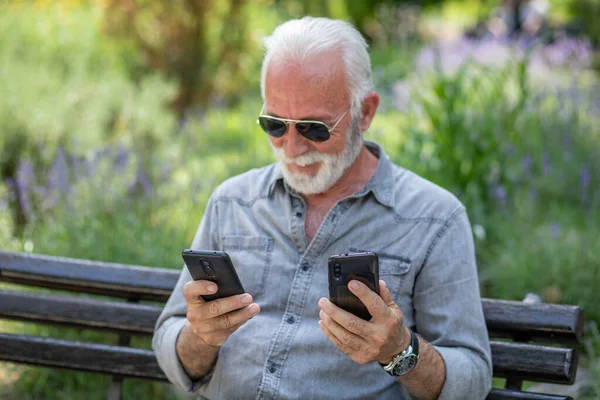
<point x="303" y="160"/>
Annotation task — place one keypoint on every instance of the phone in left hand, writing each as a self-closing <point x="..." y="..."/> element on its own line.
<point x="343" y="268"/>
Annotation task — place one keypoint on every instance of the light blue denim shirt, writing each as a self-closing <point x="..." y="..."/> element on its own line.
<point x="423" y="238"/>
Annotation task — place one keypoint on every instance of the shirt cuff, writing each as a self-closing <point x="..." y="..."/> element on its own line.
<point x="464" y="375"/>
<point x="165" y="349"/>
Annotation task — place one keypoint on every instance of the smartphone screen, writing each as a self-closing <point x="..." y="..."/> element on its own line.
<point x="215" y="266"/>
<point x="343" y="268"/>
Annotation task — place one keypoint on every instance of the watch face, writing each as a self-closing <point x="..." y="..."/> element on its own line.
<point x="405" y="365"/>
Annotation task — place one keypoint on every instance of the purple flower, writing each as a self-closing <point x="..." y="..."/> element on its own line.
<point x="555" y="229"/>
<point x="25" y="181"/>
<point x="568" y="141"/>
<point x="121" y="159"/>
<point x="546" y="163"/>
<point x="58" y="177"/>
<point x="526" y="161"/>
<point x="586" y="179"/>
<point x="500" y="193"/>
<point x="141" y="184"/>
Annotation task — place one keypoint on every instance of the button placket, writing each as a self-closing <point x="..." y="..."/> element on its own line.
<point x="282" y="340"/>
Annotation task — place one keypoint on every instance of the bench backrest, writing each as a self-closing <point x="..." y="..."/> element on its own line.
<point x="523" y="358"/>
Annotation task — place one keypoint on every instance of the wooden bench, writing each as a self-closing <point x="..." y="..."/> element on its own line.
<point x="537" y="340"/>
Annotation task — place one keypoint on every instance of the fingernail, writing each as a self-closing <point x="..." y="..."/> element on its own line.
<point x="246" y="299"/>
<point x="322" y="302"/>
<point x="254" y="308"/>
<point x="354" y="285"/>
<point x="211" y="288"/>
<point x="322" y="314"/>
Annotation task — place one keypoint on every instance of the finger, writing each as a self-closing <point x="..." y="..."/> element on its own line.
<point x="335" y="340"/>
<point x="385" y="294"/>
<point x="215" y="308"/>
<point x="375" y="304"/>
<point x="346" y="337"/>
<point x="232" y="319"/>
<point x="227" y="322"/>
<point x="194" y="290"/>
<point x="348" y="320"/>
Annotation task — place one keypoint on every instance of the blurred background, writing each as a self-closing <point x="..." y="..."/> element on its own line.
<point x="119" y="117"/>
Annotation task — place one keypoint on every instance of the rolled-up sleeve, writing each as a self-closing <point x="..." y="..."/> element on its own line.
<point x="448" y="310"/>
<point x="173" y="316"/>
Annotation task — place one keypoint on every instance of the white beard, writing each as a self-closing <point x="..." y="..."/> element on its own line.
<point x="331" y="168"/>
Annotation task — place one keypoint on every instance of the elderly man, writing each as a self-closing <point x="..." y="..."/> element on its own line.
<point x="329" y="193"/>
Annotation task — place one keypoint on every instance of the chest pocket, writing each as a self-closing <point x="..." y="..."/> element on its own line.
<point x="393" y="270"/>
<point x="251" y="256"/>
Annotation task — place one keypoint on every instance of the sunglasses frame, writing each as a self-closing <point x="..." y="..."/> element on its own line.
<point x="287" y="122"/>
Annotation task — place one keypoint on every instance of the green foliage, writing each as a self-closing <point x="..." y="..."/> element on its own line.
<point x="7" y="241"/>
<point x="549" y="250"/>
<point x="463" y="127"/>
<point x="72" y="92"/>
<point x="586" y="13"/>
<point x="592" y="350"/>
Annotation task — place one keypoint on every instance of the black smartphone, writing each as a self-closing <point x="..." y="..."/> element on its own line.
<point x="343" y="268"/>
<point x="213" y="266"/>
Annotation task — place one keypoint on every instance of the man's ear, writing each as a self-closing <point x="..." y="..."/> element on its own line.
<point x="368" y="110"/>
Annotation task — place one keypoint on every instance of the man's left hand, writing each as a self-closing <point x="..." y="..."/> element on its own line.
<point x="379" y="339"/>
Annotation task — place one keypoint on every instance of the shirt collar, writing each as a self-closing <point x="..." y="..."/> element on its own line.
<point x="381" y="183"/>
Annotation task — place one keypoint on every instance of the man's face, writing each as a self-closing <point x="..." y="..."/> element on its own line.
<point x="316" y="90"/>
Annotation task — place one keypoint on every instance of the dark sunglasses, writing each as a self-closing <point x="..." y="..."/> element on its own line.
<point x="316" y="131"/>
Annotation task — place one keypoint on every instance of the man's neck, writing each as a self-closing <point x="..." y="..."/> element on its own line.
<point x="354" y="179"/>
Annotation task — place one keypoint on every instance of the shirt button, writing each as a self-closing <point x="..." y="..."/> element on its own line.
<point x="272" y="369"/>
<point x="299" y="214"/>
<point x="290" y="319"/>
<point x="305" y="267"/>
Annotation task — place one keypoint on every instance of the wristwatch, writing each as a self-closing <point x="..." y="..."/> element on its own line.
<point x="405" y="361"/>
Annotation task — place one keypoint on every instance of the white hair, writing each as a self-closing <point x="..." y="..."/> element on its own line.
<point x="301" y="39"/>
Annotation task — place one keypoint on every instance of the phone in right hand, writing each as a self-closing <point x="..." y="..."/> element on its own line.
<point x="215" y="266"/>
<point x="343" y="268"/>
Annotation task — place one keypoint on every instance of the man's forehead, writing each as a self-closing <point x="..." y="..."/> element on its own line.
<point x="318" y="80"/>
<point x="327" y="68"/>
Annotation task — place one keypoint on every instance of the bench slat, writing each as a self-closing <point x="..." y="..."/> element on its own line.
<point x="79" y="356"/>
<point x="530" y="362"/>
<point x="536" y="322"/>
<point x="534" y="362"/>
<point x="506" y="394"/>
<point x="79" y="312"/>
<point x="94" y="277"/>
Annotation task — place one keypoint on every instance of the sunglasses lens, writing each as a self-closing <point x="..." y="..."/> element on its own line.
<point x="313" y="131"/>
<point x="272" y="127"/>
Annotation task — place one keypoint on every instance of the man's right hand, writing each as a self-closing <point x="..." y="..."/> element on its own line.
<point x="214" y="321"/>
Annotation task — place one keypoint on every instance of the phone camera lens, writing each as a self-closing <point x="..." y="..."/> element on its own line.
<point x="208" y="268"/>
<point x="337" y="270"/>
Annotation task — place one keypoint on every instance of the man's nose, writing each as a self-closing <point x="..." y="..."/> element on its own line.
<point x="294" y="143"/>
